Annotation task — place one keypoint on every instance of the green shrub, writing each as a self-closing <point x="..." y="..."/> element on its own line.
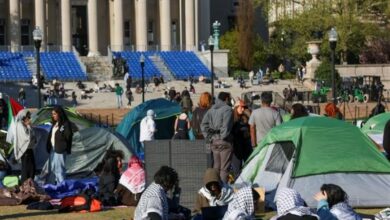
<point x="286" y="75"/>
<point x="239" y="73"/>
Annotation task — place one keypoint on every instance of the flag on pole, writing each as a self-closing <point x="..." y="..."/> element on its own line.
<point x="13" y="109"/>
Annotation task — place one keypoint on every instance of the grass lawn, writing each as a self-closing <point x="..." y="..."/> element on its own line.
<point x="20" y="212"/>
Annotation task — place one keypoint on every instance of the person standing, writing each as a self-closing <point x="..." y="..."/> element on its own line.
<point x="129" y="96"/>
<point x="3" y="111"/>
<point x="74" y="99"/>
<point x="22" y="97"/>
<point x="24" y="141"/>
<point x="182" y="126"/>
<point x="186" y="101"/>
<point x="241" y="132"/>
<point x="59" y="143"/>
<point x="147" y="128"/>
<point x="263" y="119"/>
<point x="216" y="127"/>
<point x="118" y="92"/>
<point x="199" y="112"/>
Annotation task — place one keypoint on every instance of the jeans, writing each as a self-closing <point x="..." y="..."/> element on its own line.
<point x="57" y="166"/>
<point x="119" y="101"/>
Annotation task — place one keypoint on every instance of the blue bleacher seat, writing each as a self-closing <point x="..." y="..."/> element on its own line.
<point x="13" y="67"/>
<point x="62" y="66"/>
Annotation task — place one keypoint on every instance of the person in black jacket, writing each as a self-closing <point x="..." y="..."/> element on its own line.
<point x="59" y="143"/>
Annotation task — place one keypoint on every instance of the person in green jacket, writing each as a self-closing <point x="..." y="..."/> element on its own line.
<point x="118" y="92"/>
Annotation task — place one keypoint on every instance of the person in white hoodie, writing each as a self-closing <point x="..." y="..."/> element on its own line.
<point x="24" y="141"/>
<point x="147" y="128"/>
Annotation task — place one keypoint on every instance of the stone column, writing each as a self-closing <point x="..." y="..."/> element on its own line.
<point x="40" y="18"/>
<point x="92" y="29"/>
<point x="165" y="25"/>
<point x="190" y="27"/>
<point x="118" y="25"/>
<point x="141" y="25"/>
<point x="66" y="26"/>
<point x="112" y="24"/>
<point x="14" y="11"/>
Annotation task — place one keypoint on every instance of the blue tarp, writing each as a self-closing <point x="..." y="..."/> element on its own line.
<point x="71" y="187"/>
<point x="165" y="111"/>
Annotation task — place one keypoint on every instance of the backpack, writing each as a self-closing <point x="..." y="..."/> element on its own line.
<point x="80" y="203"/>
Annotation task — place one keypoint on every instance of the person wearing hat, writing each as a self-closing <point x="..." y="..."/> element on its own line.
<point x="147" y="128"/>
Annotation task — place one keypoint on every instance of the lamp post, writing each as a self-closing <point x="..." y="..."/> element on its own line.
<point x="37" y="35"/>
<point x="211" y="46"/>
<point x="333" y="44"/>
<point x="142" y="62"/>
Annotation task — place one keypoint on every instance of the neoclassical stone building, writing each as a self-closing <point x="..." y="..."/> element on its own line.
<point x="93" y="25"/>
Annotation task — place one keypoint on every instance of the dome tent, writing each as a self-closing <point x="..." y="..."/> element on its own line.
<point x="307" y="152"/>
<point x="165" y="112"/>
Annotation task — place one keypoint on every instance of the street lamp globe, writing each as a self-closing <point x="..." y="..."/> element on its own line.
<point x="37" y="34"/>
<point x="211" y="43"/>
<point x="333" y="35"/>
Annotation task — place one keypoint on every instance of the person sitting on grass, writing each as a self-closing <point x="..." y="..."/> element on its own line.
<point x="108" y="182"/>
<point x="333" y="204"/>
<point x="132" y="183"/>
<point x="213" y="193"/>
<point x="243" y="205"/>
<point x="153" y="204"/>
<point x="291" y="206"/>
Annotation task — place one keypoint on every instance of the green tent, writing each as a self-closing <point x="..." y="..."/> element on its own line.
<point x="376" y="124"/>
<point x="304" y="153"/>
<point x="43" y="116"/>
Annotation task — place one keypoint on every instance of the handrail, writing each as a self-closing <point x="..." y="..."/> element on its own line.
<point x="77" y="55"/>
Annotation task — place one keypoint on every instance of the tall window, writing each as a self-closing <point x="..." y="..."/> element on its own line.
<point x="150" y="33"/>
<point x="127" y="32"/>
<point x="25" y="32"/>
<point x="2" y="32"/>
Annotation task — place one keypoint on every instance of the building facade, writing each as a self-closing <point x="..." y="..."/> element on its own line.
<point x="90" y="26"/>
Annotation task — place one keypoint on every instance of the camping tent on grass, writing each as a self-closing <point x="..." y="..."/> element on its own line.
<point x="307" y="152"/>
<point x="376" y="124"/>
<point x="88" y="149"/>
<point x="375" y="127"/>
<point x="44" y="116"/>
<point x="165" y="111"/>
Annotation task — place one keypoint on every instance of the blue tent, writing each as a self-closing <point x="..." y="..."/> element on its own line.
<point x="165" y="111"/>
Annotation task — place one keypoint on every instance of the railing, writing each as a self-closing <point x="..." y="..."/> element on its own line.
<point x="155" y="47"/>
<point x="77" y="55"/>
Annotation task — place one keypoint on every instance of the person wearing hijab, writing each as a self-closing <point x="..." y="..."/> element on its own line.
<point x="333" y="204"/>
<point x="243" y="205"/>
<point x="132" y="183"/>
<point x="147" y="128"/>
<point x="291" y="206"/>
<point x="59" y="143"/>
<point x="24" y="141"/>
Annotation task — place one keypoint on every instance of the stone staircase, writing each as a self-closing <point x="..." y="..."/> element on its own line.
<point x="98" y="68"/>
<point x="159" y="63"/>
